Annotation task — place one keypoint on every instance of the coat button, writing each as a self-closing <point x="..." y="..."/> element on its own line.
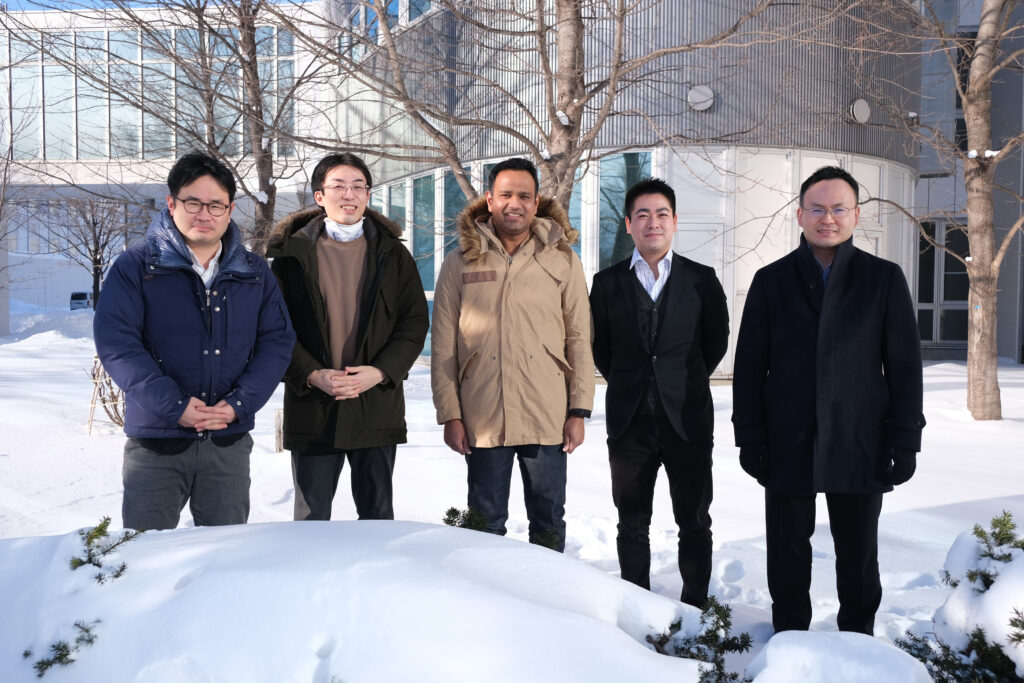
<point x="216" y="309"/>
<point x="216" y="352"/>
<point x="206" y="352"/>
<point x="238" y="403"/>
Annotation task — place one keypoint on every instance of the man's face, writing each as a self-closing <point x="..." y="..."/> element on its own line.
<point x="652" y="225"/>
<point x="826" y="232"/>
<point x="201" y="230"/>
<point x="344" y="195"/>
<point x="513" y="203"/>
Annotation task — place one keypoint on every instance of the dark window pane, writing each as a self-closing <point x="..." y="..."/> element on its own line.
<point x="285" y="43"/>
<point x="396" y="204"/>
<point x="960" y="135"/>
<point x="377" y="200"/>
<point x="955" y="283"/>
<point x="264" y="41"/>
<point x="618" y="174"/>
<point x="418" y="8"/>
<point x="454" y="203"/>
<point x="223" y="43"/>
<point x="925" y="318"/>
<point x="953" y="325"/>
<point x="423" y="229"/>
<point x="187" y="42"/>
<point x="926" y="266"/>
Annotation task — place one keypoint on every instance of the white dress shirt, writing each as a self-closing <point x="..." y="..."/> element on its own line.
<point x="652" y="285"/>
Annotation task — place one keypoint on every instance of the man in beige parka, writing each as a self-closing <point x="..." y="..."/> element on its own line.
<point x="511" y="363"/>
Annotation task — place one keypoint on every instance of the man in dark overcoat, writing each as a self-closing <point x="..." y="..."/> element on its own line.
<point x="661" y="326"/>
<point x="827" y="399"/>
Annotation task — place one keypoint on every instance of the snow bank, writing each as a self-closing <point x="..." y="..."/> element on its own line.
<point x="325" y="601"/>
<point x="834" y="658"/>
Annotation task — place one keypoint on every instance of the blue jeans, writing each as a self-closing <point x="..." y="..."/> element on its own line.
<point x="543" y="471"/>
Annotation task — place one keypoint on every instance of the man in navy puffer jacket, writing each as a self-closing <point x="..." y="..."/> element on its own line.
<point x="193" y="328"/>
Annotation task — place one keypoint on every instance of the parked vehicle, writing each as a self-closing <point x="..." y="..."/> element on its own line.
<point x="81" y="300"/>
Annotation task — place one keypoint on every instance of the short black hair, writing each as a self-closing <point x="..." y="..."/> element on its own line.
<point x="194" y="166"/>
<point x="514" y="164"/>
<point x="829" y="173"/>
<point x="334" y="160"/>
<point x="649" y="186"/>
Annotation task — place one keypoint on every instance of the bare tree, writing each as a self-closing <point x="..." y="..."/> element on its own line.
<point x="975" y="63"/>
<point x="90" y="232"/>
<point x="540" y="77"/>
<point x="213" y="76"/>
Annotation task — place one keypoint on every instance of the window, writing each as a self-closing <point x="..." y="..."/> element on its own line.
<point x="59" y="112"/>
<point x="943" y="285"/>
<point x="423" y="229"/>
<point x="418" y="8"/>
<point x="454" y="203"/>
<point x="618" y="173"/>
<point x="964" y="55"/>
<point x="396" y="204"/>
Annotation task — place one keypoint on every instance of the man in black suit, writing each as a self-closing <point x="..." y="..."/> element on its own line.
<point x="661" y="325"/>
<point x="827" y="399"/>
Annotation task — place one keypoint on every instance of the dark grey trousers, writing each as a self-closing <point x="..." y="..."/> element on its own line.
<point x="316" y="478"/>
<point x="212" y="479"/>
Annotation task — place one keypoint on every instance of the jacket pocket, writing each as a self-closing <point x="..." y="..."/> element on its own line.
<point x="559" y="359"/>
<point x="464" y="367"/>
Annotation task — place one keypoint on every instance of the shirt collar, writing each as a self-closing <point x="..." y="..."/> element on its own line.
<point x="211" y="269"/>
<point x="664" y="265"/>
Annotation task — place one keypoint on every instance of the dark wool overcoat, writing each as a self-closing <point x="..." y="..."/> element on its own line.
<point x="164" y="336"/>
<point x="829" y="378"/>
<point x="391" y="329"/>
<point x="693" y="334"/>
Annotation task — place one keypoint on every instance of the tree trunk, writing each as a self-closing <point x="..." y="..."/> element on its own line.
<point x="983" y="399"/>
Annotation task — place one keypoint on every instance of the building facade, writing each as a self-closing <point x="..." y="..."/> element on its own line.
<point x="734" y="121"/>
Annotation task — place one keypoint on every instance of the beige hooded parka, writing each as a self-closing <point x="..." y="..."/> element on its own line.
<point x="510" y="338"/>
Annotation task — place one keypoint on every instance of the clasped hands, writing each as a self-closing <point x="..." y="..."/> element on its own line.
<point x="347" y="383"/>
<point x="202" y="417"/>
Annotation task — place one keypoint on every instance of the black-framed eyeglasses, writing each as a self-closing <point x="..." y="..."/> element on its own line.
<point x="216" y="209"/>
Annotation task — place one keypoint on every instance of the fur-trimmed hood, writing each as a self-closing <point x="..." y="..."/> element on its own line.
<point x="303" y="218"/>
<point x="550" y="227"/>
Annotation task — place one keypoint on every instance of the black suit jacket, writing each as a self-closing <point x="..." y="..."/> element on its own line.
<point x="693" y="334"/>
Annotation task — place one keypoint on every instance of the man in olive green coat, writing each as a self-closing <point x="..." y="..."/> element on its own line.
<point x="357" y="304"/>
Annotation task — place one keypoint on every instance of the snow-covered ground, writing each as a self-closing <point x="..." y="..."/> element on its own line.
<point x="406" y="601"/>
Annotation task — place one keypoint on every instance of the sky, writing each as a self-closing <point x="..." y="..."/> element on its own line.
<point x="371" y="601"/>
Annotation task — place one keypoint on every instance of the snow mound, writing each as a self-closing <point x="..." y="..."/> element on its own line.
<point x="834" y="658"/>
<point x="324" y="601"/>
